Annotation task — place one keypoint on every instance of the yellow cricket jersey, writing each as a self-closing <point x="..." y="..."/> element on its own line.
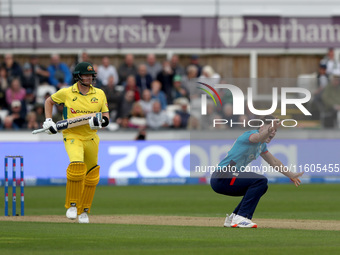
<point x="76" y="104"/>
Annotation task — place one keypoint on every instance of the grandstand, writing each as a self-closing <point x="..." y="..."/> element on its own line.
<point x="253" y="45"/>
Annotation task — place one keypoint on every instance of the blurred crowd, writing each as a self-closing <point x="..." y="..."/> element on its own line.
<point x="150" y="95"/>
<point x="325" y="104"/>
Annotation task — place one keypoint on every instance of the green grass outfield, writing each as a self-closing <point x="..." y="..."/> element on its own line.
<point x="318" y="202"/>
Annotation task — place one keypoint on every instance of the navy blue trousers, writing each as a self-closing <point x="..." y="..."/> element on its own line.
<point x="250" y="185"/>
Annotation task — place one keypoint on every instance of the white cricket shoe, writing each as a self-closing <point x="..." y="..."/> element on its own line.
<point x="71" y="213"/>
<point x="83" y="218"/>
<point x="242" y="222"/>
<point x="228" y="220"/>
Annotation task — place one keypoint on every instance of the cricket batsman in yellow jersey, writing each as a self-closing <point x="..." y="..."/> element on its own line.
<point x="81" y="143"/>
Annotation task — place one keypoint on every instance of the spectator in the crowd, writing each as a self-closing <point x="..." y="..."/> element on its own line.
<point x="166" y="77"/>
<point x="331" y="101"/>
<point x="12" y="67"/>
<point x="175" y="65"/>
<point x="157" y="94"/>
<point x="4" y="83"/>
<point x="30" y="100"/>
<point x="131" y="86"/>
<point x="137" y="116"/>
<point x="57" y="112"/>
<point x="157" y="118"/>
<point x="113" y="97"/>
<point x="146" y="101"/>
<point x="127" y="68"/>
<point x="31" y="120"/>
<point x="177" y="122"/>
<point x="105" y="70"/>
<point x="153" y="67"/>
<point x="194" y="60"/>
<point x="226" y="96"/>
<point x="125" y="108"/>
<point x="228" y="115"/>
<point x="40" y="73"/>
<point x="323" y="80"/>
<point x="183" y="112"/>
<point x="209" y="73"/>
<point x="3" y="87"/>
<point x="28" y="79"/>
<point x="206" y="121"/>
<point x="83" y="57"/>
<point x="178" y="90"/>
<point x="42" y="90"/>
<point x="192" y="73"/>
<point x="123" y="122"/>
<point x="60" y="74"/>
<point x="316" y="104"/>
<point x="16" y="118"/>
<point x="40" y="111"/>
<point x="194" y="123"/>
<point x="143" y="79"/>
<point x="331" y="62"/>
<point x="15" y="92"/>
<point x="97" y="83"/>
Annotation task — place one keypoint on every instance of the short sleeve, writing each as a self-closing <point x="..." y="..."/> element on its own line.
<point x="264" y="149"/>
<point x="245" y="137"/>
<point x="60" y="96"/>
<point x="105" y="107"/>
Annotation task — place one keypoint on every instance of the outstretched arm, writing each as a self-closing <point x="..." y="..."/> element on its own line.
<point x="265" y="132"/>
<point x="278" y="166"/>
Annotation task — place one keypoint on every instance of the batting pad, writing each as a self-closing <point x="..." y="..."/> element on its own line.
<point x="75" y="174"/>
<point x="91" y="181"/>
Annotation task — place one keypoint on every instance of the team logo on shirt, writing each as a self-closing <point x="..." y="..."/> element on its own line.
<point x="94" y="100"/>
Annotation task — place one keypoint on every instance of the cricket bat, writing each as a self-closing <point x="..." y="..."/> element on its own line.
<point x="73" y="122"/>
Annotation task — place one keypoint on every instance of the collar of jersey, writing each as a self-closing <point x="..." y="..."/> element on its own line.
<point x="75" y="89"/>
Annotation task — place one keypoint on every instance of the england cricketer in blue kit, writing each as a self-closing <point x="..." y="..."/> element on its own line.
<point x="231" y="179"/>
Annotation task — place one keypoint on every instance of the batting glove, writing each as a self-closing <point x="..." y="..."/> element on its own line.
<point x="95" y="123"/>
<point x="50" y="126"/>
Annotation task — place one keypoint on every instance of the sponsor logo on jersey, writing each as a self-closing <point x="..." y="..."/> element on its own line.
<point x="74" y="99"/>
<point x="72" y="110"/>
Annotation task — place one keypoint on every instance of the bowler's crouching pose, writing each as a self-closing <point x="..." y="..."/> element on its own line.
<point x="230" y="178"/>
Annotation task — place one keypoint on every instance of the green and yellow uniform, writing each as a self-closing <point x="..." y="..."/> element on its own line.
<point x="81" y="144"/>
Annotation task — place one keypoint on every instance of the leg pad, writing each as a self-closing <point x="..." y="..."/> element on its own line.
<point x="91" y="181"/>
<point x="75" y="174"/>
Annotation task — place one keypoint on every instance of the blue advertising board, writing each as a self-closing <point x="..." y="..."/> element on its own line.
<point x="148" y="162"/>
